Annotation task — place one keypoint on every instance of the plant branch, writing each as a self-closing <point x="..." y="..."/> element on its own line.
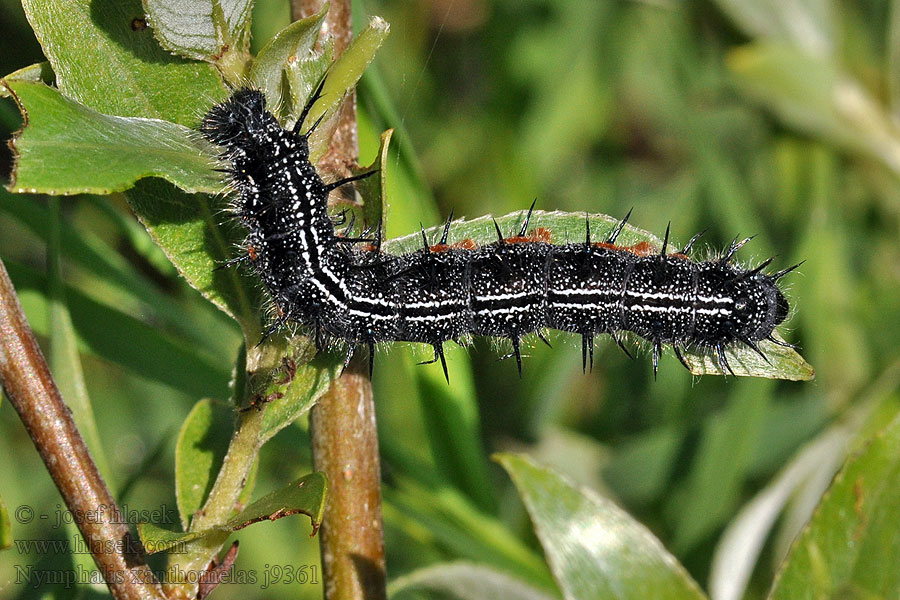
<point x="345" y="448"/>
<point x="33" y="393"/>
<point x="343" y="432"/>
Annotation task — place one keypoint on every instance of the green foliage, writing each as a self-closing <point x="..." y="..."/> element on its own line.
<point x="199" y="451"/>
<point x="305" y="495"/>
<point x="851" y="546"/>
<point x="766" y="118"/>
<point x="67" y="148"/>
<point x="6" y="536"/>
<point x="594" y="548"/>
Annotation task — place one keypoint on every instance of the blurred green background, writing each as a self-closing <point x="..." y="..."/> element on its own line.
<point x="766" y="118"/>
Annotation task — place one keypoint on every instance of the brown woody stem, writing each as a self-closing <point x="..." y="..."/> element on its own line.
<point x="32" y="392"/>
<point x="342" y="424"/>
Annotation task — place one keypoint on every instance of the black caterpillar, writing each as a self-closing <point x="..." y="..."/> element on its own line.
<point x="347" y="288"/>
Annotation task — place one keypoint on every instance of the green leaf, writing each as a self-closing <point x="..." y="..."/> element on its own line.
<point x="67" y="148"/>
<point x="453" y="522"/>
<point x="5" y="529"/>
<point x="851" y="546"/>
<point x="63" y="357"/>
<point x="292" y="45"/>
<point x="201" y="446"/>
<point x="806" y="24"/>
<point x="36" y="73"/>
<point x="342" y="77"/>
<point x="303" y="496"/>
<point x="186" y="227"/>
<point x="156" y="539"/>
<point x="710" y="493"/>
<point x="200" y="29"/>
<point x="463" y="581"/>
<point x="739" y="546"/>
<point x="197" y="375"/>
<point x="297" y="388"/>
<point x="102" y="62"/>
<point x="454" y="430"/>
<point x="784" y="363"/>
<point x="373" y="190"/>
<point x="96" y="256"/>
<point x="816" y="97"/>
<point x="594" y="548"/>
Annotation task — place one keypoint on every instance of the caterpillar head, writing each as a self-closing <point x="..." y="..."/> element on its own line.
<point x="236" y="122"/>
<point x="734" y="304"/>
<point x="759" y="307"/>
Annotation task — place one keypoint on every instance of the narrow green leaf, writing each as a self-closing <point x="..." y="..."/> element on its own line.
<point x="594" y="548"/>
<point x="136" y="235"/>
<point x="197" y="375"/>
<point x="784" y="363"/>
<point x="303" y="496"/>
<point x="464" y="581"/>
<point x="454" y="430"/>
<point x="709" y="495"/>
<point x="101" y="61"/>
<point x="201" y="446"/>
<point x="156" y="539"/>
<point x="738" y="549"/>
<point x="67" y="148"/>
<point x="64" y="359"/>
<point x="200" y="29"/>
<point x="815" y="96"/>
<point x="94" y="255"/>
<point x="454" y="523"/>
<point x="5" y="528"/>
<point x="806" y="24"/>
<point x="851" y="546"/>
<point x="301" y="76"/>
<point x="342" y="77"/>
<point x="293" y="44"/>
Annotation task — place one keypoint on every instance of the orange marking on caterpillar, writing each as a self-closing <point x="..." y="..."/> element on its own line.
<point x="640" y="249"/>
<point x="539" y="234"/>
<point x="466" y="244"/>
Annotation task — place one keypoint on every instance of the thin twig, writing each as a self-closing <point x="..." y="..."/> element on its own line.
<point x="34" y="395"/>
<point x="342" y="424"/>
